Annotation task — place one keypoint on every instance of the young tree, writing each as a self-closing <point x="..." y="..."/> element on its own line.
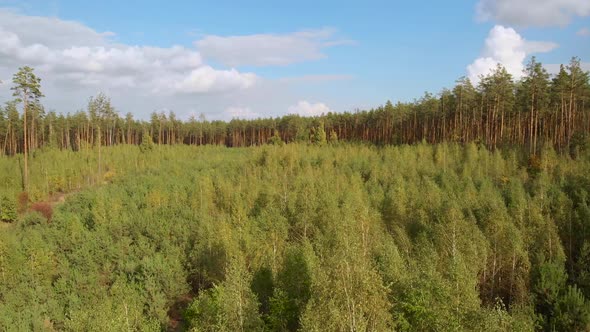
<point x="293" y="291"/>
<point x="333" y="137"/>
<point x="573" y="311"/>
<point x="147" y="144"/>
<point x="275" y="139"/>
<point x="27" y="89"/>
<point x="231" y="306"/>
<point x="102" y="112"/>
<point x="319" y="135"/>
<point x="8" y="211"/>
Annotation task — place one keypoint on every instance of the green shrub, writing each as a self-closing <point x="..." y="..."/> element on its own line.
<point x="8" y="211"/>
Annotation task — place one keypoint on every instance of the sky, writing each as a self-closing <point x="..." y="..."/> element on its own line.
<point x="249" y="59"/>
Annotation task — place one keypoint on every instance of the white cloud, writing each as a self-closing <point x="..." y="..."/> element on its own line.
<point x="76" y="62"/>
<point x="203" y="79"/>
<point x="88" y="58"/>
<point x="505" y="46"/>
<point x="56" y="33"/>
<point x="207" y="79"/>
<point x="268" y="49"/>
<point x="532" y="12"/>
<point x="235" y="112"/>
<point x="305" y="108"/>
<point x="584" y="32"/>
<point x="530" y="47"/>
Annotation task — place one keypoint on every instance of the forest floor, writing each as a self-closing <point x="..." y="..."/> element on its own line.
<point x="59" y="198"/>
<point x="175" y="314"/>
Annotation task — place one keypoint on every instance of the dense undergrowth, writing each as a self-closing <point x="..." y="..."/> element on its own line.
<point x="298" y="237"/>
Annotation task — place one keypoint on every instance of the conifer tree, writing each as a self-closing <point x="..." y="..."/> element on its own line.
<point x="319" y="135"/>
<point x="147" y="144"/>
<point x="27" y="89"/>
<point x="333" y="137"/>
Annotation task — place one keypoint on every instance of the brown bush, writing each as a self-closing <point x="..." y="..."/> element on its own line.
<point x="44" y="208"/>
<point x="22" y="202"/>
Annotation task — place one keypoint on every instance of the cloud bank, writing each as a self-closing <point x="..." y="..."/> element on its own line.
<point x="306" y="108"/>
<point x="532" y="12"/>
<point x="269" y="49"/>
<point x="76" y="61"/>
<point x="505" y="46"/>
<point x="69" y="51"/>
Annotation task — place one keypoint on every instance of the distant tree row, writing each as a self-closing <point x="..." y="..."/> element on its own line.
<point x="538" y="109"/>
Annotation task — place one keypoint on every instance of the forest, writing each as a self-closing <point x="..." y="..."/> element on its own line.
<point x="468" y="210"/>
<point x="499" y="111"/>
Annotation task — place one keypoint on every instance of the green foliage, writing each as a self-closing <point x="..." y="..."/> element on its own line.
<point x="333" y="137"/>
<point x="204" y="314"/>
<point x="231" y="306"/>
<point x="276" y="139"/>
<point x="338" y="237"/>
<point x="8" y="211"/>
<point x="33" y="219"/>
<point x="293" y="290"/>
<point x="319" y="135"/>
<point x="579" y="144"/>
<point x="572" y="312"/>
<point x="548" y="283"/>
<point x="147" y="144"/>
<point x="27" y="86"/>
<point x="263" y="287"/>
<point x="562" y="307"/>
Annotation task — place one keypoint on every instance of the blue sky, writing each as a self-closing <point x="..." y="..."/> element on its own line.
<point x="328" y="56"/>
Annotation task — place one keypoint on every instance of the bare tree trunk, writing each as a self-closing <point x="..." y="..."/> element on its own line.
<point x="532" y="115"/>
<point x="26" y="166"/>
<point x="99" y="154"/>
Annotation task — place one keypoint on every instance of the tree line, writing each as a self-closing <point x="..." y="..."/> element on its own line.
<point x="537" y="109"/>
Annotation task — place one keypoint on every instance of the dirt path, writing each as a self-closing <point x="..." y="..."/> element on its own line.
<point x="59" y="198"/>
<point x="175" y="313"/>
<point x="53" y="200"/>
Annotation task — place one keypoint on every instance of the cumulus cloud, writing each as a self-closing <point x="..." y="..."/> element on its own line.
<point x="236" y="112"/>
<point x="584" y="32"/>
<point x="306" y="108"/>
<point x="207" y="79"/>
<point x="56" y="33"/>
<point x="505" y="46"/>
<point x="269" y="49"/>
<point x="69" y="51"/>
<point x="532" y="12"/>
